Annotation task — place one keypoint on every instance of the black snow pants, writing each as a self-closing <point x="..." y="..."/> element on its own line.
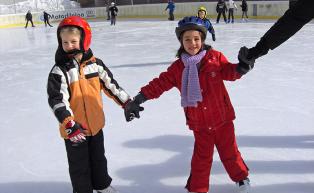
<point x="88" y="164"/>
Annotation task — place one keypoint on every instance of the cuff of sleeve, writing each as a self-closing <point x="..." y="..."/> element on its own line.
<point x="124" y="104"/>
<point x="66" y="121"/>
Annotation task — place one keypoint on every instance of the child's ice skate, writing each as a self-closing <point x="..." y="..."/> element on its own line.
<point x="110" y="189"/>
<point x="244" y="186"/>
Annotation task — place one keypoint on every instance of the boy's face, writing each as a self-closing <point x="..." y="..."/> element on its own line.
<point x="192" y="41"/>
<point x="201" y="14"/>
<point x="70" y="41"/>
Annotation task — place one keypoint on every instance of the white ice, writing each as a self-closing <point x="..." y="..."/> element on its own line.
<point x="274" y="105"/>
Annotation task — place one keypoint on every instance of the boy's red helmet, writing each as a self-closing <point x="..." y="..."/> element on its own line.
<point x="82" y="25"/>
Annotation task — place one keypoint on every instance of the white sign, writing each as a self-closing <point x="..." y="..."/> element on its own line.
<point x="59" y="15"/>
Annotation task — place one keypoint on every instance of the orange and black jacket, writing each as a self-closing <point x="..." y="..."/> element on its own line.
<point x="74" y="91"/>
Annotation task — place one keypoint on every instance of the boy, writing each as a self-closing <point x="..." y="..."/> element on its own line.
<point x="74" y="95"/>
<point x="202" y="13"/>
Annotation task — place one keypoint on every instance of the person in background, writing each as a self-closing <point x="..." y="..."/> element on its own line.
<point x="29" y="18"/>
<point x="199" y="74"/>
<point x="286" y="26"/>
<point x="113" y="9"/>
<point x="221" y="8"/>
<point x="171" y="6"/>
<point x="232" y="6"/>
<point x="244" y="8"/>
<point x="107" y="9"/>
<point x="46" y="19"/>
<point x="74" y="89"/>
<point x="202" y="13"/>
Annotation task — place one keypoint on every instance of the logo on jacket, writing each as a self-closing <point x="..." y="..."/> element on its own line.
<point x="213" y="74"/>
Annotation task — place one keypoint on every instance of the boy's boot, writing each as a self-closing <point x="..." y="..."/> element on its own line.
<point x="110" y="189"/>
<point x="244" y="186"/>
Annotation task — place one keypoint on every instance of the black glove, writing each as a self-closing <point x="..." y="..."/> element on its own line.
<point x="75" y="132"/>
<point x="245" y="64"/>
<point x="213" y="37"/>
<point x="132" y="108"/>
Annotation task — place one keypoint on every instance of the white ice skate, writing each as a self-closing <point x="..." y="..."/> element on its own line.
<point x="244" y="186"/>
<point x="110" y="189"/>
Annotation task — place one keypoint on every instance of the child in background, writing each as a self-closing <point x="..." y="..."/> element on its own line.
<point x="74" y="95"/>
<point x="232" y="6"/>
<point x="202" y="13"/>
<point x="171" y="6"/>
<point x="221" y="8"/>
<point x="113" y="9"/>
<point x="244" y="7"/>
<point x="199" y="74"/>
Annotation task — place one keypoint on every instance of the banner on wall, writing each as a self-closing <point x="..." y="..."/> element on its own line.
<point x="59" y="15"/>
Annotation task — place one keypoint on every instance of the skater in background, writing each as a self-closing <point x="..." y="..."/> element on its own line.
<point x="171" y="6"/>
<point x="46" y="19"/>
<point x="221" y="8"/>
<point x="232" y="6"/>
<point x="107" y="9"/>
<point x="74" y="95"/>
<point x="113" y="9"/>
<point x="244" y="8"/>
<point x="202" y="13"/>
<point x="290" y="23"/>
<point x="199" y="74"/>
<point x="29" y="18"/>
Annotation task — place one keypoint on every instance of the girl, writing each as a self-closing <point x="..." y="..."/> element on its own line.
<point x="74" y="95"/>
<point x="198" y="74"/>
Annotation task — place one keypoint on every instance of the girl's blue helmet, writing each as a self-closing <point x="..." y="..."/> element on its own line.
<point x="191" y="23"/>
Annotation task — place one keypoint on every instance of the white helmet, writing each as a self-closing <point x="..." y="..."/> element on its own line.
<point x="112" y="3"/>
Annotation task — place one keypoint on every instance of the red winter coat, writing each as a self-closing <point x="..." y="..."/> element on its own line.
<point x="216" y="107"/>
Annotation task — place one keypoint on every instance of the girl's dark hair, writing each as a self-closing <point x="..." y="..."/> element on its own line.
<point x="181" y="49"/>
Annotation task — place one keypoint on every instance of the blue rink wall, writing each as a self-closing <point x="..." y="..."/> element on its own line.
<point x="257" y="10"/>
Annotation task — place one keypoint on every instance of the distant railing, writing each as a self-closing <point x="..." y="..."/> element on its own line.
<point x="136" y="2"/>
<point x="22" y="6"/>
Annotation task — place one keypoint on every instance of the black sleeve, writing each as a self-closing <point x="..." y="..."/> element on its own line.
<point x="58" y="94"/>
<point x="291" y="22"/>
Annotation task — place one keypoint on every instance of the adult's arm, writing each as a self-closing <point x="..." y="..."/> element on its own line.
<point x="290" y="23"/>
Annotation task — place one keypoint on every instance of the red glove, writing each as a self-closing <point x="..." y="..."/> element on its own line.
<point x="75" y="132"/>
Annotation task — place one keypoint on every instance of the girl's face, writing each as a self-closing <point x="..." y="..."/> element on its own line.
<point x="192" y="41"/>
<point x="70" y="40"/>
<point x="201" y="14"/>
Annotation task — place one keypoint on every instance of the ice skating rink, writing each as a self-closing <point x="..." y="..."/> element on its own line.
<point x="274" y="105"/>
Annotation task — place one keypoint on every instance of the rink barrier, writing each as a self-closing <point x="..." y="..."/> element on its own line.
<point x="256" y="10"/>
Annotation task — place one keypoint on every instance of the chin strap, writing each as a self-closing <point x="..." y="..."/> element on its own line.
<point x="74" y="52"/>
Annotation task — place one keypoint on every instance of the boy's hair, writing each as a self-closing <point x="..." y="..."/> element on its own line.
<point x="71" y="29"/>
<point x="82" y="25"/>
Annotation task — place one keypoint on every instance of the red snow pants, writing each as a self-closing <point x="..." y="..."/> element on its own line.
<point x="223" y="138"/>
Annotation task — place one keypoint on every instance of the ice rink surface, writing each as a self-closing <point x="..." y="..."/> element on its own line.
<point x="274" y="105"/>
